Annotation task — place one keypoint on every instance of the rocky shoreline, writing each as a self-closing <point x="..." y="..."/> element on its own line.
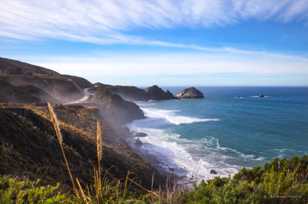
<point x="25" y="90"/>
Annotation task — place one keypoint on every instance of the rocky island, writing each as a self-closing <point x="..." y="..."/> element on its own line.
<point x="190" y="92"/>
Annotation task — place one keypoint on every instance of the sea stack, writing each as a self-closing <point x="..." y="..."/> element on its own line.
<point x="190" y="92"/>
<point x="156" y="93"/>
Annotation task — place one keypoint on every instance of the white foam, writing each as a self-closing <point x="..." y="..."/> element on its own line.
<point x="176" y="154"/>
<point x="171" y="116"/>
<point x="191" y="159"/>
<point x="259" y="96"/>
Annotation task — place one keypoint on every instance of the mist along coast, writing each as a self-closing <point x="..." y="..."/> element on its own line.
<point x="159" y="136"/>
<point x="25" y="91"/>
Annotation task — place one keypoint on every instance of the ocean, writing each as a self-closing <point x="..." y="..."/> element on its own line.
<point x="231" y="128"/>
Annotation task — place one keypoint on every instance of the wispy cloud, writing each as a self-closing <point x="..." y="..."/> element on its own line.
<point x="107" y="21"/>
<point x="184" y="68"/>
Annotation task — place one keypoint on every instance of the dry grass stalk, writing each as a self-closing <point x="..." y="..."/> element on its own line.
<point x="99" y="142"/>
<point x="55" y="123"/>
<point x="99" y="152"/>
<point x="81" y="192"/>
<point x="143" y="188"/>
<point x="126" y="184"/>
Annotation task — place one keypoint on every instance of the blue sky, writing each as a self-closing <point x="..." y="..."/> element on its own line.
<point x="166" y="42"/>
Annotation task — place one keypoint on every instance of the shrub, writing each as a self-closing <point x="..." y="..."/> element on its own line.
<point x="280" y="181"/>
<point x="20" y="191"/>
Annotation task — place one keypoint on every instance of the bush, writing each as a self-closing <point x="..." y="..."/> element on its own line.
<point x="281" y="181"/>
<point x="17" y="191"/>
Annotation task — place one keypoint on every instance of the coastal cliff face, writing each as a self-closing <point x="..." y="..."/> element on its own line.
<point x="115" y="107"/>
<point x="130" y="93"/>
<point x="133" y="93"/>
<point x="27" y="138"/>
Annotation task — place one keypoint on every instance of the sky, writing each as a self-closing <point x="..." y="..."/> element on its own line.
<point x="164" y="42"/>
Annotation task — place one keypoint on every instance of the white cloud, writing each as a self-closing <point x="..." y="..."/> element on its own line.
<point x="108" y="22"/>
<point x="105" y="21"/>
<point x="178" y="68"/>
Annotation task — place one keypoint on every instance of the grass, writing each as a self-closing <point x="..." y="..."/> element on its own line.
<point x="103" y="190"/>
<point x="55" y="123"/>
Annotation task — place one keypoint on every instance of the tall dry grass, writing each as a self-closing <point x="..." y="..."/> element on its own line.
<point x="99" y="155"/>
<point x="105" y="191"/>
<point x="55" y="123"/>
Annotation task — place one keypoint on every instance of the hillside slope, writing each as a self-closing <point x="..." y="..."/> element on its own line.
<point x="61" y="87"/>
<point x="29" y="148"/>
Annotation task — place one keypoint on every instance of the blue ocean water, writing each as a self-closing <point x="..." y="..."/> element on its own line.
<point x="229" y="129"/>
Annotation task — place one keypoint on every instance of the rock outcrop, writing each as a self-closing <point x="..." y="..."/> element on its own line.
<point x="133" y="93"/>
<point x="114" y="107"/>
<point x="190" y="92"/>
<point x="130" y="93"/>
<point x="156" y="93"/>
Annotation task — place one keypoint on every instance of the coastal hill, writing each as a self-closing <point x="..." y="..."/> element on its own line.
<point x="21" y="75"/>
<point x="12" y="67"/>
<point x="26" y="127"/>
<point x="133" y="93"/>
<point x="23" y="94"/>
<point x="27" y="139"/>
<point x="28" y="146"/>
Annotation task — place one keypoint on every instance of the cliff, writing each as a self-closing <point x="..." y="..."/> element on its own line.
<point x="133" y="93"/>
<point x="27" y="138"/>
<point x="28" y="146"/>
<point x="114" y="107"/>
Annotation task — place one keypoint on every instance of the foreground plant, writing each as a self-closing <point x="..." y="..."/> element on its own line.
<point x="281" y="181"/>
<point x="21" y="191"/>
<point x="56" y="126"/>
<point x="103" y="190"/>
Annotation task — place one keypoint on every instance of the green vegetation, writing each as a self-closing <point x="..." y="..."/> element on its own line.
<point x="281" y="181"/>
<point x="24" y="191"/>
<point x="20" y="191"/>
